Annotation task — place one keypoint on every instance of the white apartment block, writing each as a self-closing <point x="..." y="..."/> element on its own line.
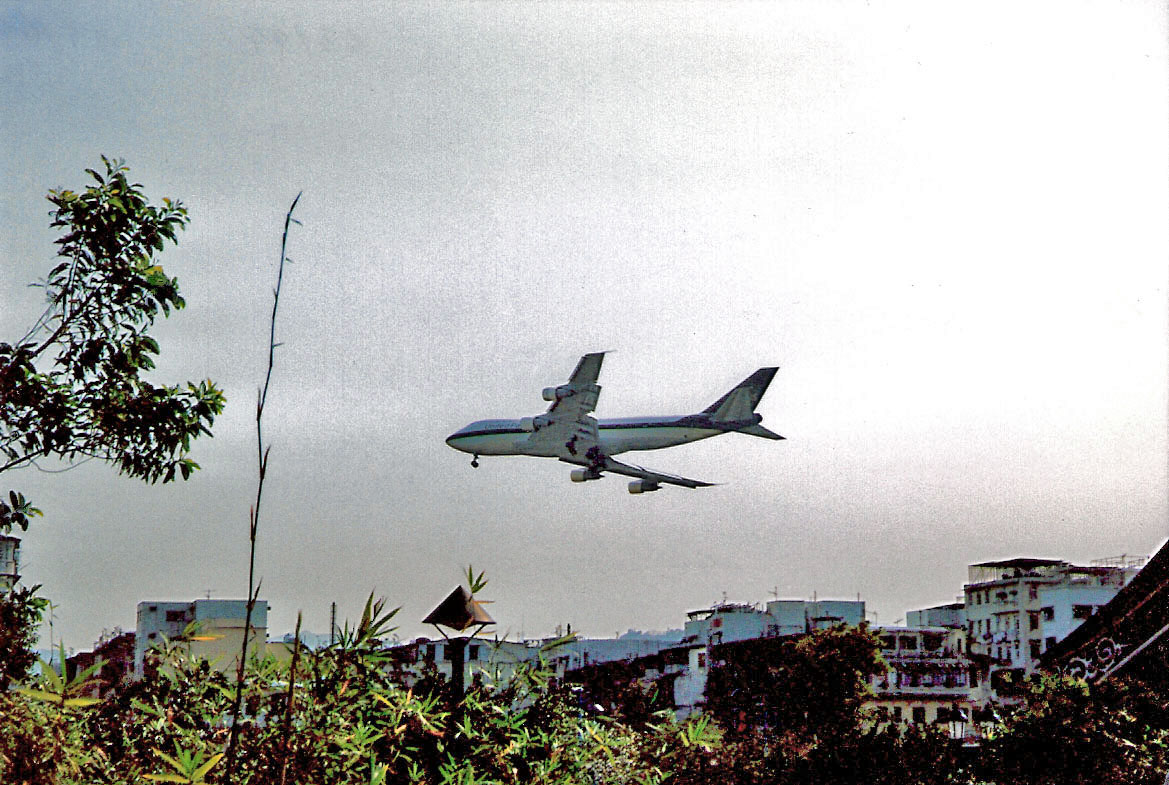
<point x="9" y="562"/>
<point x="1016" y="609"/>
<point x="928" y="678"/>
<point x="729" y="622"/>
<point x="216" y="637"/>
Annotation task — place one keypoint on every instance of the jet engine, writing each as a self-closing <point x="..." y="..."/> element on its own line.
<point x="584" y="475"/>
<point x="643" y="486"/>
<point x="530" y="424"/>
<point x="556" y="393"/>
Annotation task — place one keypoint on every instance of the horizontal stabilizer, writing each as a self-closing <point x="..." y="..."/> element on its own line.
<point x="760" y="431"/>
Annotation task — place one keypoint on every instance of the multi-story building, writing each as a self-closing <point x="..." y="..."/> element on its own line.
<point x="730" y="622"/>
<point x="1017" y="608"/>
<point x="495" y="661"/>
<point x="9" y="562"/>
<point x="928" y="677"/>
<point x="212" y="630"/>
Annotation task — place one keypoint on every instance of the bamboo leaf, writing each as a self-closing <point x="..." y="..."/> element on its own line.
<point x="79" y="703"/>
<point x="206" y="767"/>
<point x="41" y="695"/>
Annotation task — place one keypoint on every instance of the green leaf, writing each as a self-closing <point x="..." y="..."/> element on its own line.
<point x="81" y="702"/>
<point x="41" y="695"/>
<point x="206" y="767"/>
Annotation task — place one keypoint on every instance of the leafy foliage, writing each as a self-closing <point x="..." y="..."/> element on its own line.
<point x="348" y="720"/>
<point x="794" y="712"/>
<point x="20" y="616"/>
<point x="1069" y="731"/>
<point x="342" y="716"/>
<point x="73" y="387"/>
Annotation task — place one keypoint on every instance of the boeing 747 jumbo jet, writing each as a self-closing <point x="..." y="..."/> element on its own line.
<point x="566" y="431"/>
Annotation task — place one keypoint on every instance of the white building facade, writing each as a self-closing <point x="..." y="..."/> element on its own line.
<point x="9" y="562"/>
<point x="1018" y="608"/>
<point x="216" y="637"/>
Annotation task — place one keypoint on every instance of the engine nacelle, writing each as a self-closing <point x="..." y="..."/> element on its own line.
<point x="530" y="424"/>
<point x="556" y="393"/>
<point x="643" y="486"/>
<point x="584" y="475"/>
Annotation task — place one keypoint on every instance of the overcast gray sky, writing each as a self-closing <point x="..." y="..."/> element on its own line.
<point x="946" y="223"/>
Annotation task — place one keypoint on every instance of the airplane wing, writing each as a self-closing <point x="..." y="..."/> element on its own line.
<point x="566" y="430"/>
<point x="581" y="393"/>
<point x="603" y="463"/>
<point x="626" y="469"/>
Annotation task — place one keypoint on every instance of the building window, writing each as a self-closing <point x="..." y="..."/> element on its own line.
<point x="1034" y="649"/>
<point x="919" y="715"/>
<point x="908" y="643"/>
<point x="1081" y="611"/>
<point x="1048" y="643"/>
<point x="175" y="616"/>
<point x="1032" y="620"/>
<point x="1033" y="592"/>
<point x="1049" y="614"/>
<point x="701" y="660"/>
<point x="473" y="654"/>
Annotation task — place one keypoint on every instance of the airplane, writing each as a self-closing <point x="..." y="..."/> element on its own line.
<point x="567" y="432"/>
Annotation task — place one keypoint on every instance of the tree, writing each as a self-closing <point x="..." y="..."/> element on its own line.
<point x="73" y="387"/>
<point x="1068" y="731"/>
<point x="794" y="712"/>
<point x="20" y="615"/>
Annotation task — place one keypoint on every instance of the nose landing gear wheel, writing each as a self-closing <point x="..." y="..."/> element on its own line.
<point x="475" y="462"/>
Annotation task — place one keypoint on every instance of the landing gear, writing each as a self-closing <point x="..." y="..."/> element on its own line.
<point x="475" y="462"/>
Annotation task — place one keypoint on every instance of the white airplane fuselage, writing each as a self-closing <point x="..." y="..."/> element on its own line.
<point x="509" y="437"/>
<point x="568" y="432"/>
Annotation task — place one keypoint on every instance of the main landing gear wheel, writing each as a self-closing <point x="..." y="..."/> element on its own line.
<point x="475" y="462"/>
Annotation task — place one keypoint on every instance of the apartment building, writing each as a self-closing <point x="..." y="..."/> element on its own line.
<point x="928" y="678"/>
<point x="730" y="622"/>
<point x="1018" y="608"/>
<point x="212" y="630"/>
<point x="9" y="562"/>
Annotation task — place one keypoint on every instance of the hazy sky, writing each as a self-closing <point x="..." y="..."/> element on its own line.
<point x="946" y="223"/>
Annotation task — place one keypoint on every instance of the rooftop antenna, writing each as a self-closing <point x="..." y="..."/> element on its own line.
<point x="208" y="592"/>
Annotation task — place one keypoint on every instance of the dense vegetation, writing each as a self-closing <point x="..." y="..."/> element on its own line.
<point x="339" y="716"/>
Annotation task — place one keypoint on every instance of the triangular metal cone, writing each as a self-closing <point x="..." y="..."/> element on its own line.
<point x="458" y="611"/>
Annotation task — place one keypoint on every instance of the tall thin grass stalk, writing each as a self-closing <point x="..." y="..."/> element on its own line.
<point x="254" y="512"/>
<point x="289" y="704"/>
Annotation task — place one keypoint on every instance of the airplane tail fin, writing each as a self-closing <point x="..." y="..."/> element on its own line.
<point x="738" y="405"/>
